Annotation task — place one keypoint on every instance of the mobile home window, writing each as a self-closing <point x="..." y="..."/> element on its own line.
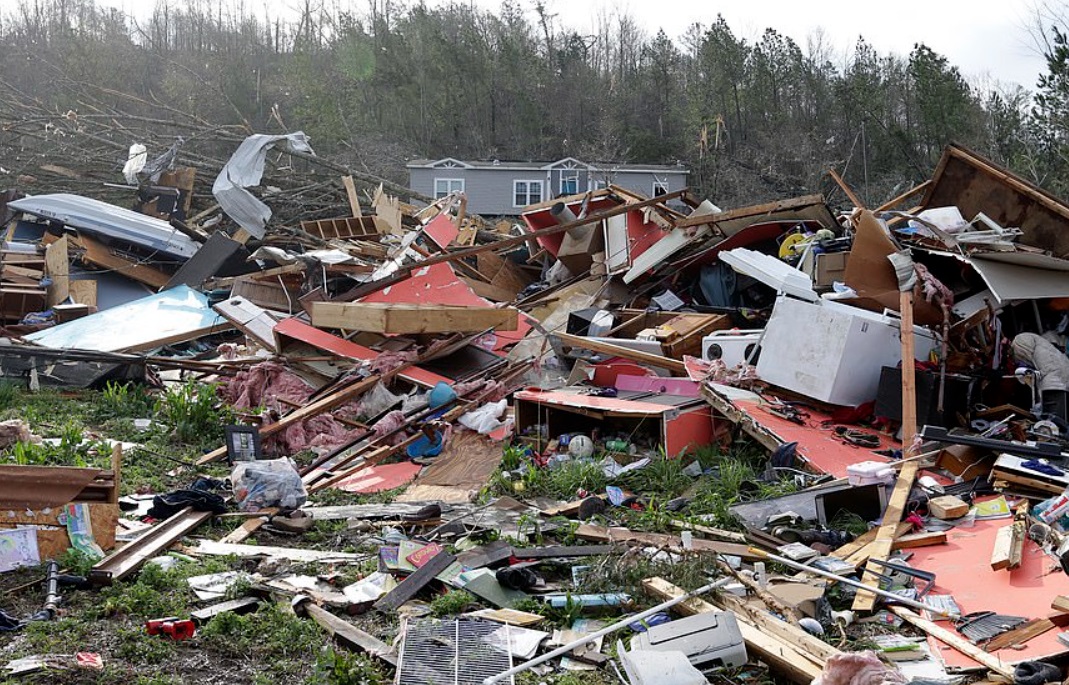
<point x="526" y="193"/>
<point x="660" y="187"/>
<point x="444" y="186"/>
<point x="569" y="182"/>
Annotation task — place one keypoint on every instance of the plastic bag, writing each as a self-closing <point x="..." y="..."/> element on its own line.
<point x="267" y="483"/>
<point x="485" y="419"/>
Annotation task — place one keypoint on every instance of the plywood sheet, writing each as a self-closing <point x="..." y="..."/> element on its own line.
<point x="962" y="568"/>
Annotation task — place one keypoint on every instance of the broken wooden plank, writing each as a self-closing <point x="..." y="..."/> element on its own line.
<point x="100" y="255"/>
<point x="57" y="267"/>
<point x="242" y="532"/>
<point x="123" y="562"/>
<point x="605" y="534"/>
<point x="411" y="585"/>
<point x="235" y="606"/>
<point x="252" y="320"/>
<point x="954" y="640"/>
<point x="783" y="656"/>
<point x="1020" y="635"/>
<point x="657" y="360"/>
<point x="888" y="530"/>
<point x="350" y="194"/>
<point x="349" y="634"/>
<point x="1060" y="603"/>
<point x="403" y="318"/>
<point x="920" y="540"/>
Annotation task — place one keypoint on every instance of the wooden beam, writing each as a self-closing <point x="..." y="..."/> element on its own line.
<point x="587" y="531"/>
<point x="411" y="318"/>
<point x="885" y="535"/>
<point x="892" y="515"/>
<point x="850" y="194"/>
<point x="1003" y="547"/>
<point x="246" y="529"/>
<point x="753" y="210"/>
<point x="349" y="634"/>
<point x="909" y="193"/>
<point x="657" y="360"/>
<point x="951" y="639"/>
<point x="782" y="655"/>
<point x="411" y="585"/>
<point x="350" y="192"/>
<point x="101" y="256"/>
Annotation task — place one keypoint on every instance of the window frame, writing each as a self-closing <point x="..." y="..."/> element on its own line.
<point x="569" y="175"/>
<point x="662" y="184"/>
<point x="449" y="184"/>
<point x="529" y="182"/>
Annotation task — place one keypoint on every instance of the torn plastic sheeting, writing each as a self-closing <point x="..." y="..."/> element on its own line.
<point x="174" y="315"/>
<point x="243" y="170"/>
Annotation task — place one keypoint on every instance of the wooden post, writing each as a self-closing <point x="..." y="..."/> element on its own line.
<point x="892" y="516"/>
<point x="350" y="192"/>
<point x="116" y="468"/>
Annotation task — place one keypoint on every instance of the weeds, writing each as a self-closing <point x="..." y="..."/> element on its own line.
<point x="193" y="412"/>
<point x="124" y="400"/>
<point x="345" y="668"/>
<point x="452" y="603"/>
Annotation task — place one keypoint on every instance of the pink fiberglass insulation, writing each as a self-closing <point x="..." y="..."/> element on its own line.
<point x="263" y="385"/>
<point x="858" y="668"/>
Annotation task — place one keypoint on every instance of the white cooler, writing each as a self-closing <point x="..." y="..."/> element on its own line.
<point x="832" y="352"/>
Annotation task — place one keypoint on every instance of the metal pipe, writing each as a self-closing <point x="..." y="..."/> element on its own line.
<point x="879" y="592"/>
<point x="622" y="623"/>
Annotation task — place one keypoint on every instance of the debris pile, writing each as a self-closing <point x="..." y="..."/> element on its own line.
<point x="619" y="435"/>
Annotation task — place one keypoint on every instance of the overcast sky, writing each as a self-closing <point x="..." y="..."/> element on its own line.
<point x="986" y="39"/>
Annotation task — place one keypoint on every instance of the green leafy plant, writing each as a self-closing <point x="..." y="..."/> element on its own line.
<point x="124" y="400"/>
<point x="194" y="412"/>
<point x="452" y="603"/>
<point x="334" y="667"/>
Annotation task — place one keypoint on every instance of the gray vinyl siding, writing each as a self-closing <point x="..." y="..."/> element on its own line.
<point x="490" y="190"/>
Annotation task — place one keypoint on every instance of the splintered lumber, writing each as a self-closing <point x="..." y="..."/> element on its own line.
<point x="605" y="534"/>
<point x="242" y="532"/>
<point x="411" y="585"/>
<point x="784" y="655"/>
<point x="888" y="530"/>
<point x="952" y="639"/>
<point x="100" y="255"/>
<point x="120" y="564"/>
<point x="1021" y="634"/>
<point x="349" y="634"/>
<point x="657" y="360"/>
<point x="350" y="194"/>
<point x="411" y="318"/>
<point x="511" y="241"/>
<point x="1060" y="603"/>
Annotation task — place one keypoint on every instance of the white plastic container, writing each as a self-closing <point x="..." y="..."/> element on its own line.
<point x="870" y="473"/>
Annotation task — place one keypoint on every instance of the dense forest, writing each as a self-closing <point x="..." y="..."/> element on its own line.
<point x="380" y="82"/>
